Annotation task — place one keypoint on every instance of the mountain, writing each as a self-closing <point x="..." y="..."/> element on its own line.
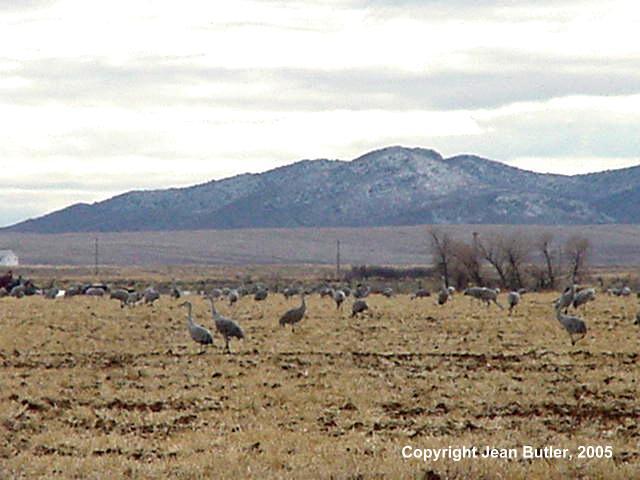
<point x="391" y="186"/>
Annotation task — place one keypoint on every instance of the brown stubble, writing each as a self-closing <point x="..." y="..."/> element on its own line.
<point x="94" y="391"/>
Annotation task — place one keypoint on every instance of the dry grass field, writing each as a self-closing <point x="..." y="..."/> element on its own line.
<point x="92" y="391"/>
<point x="397" y="245"/>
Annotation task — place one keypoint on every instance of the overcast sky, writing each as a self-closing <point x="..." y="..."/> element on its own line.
<point x="98" y="98"/>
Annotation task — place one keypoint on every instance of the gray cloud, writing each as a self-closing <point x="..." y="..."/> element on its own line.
<point x="500" y="78"/>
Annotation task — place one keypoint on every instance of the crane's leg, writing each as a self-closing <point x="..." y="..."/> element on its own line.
<point x="226" y="345"/>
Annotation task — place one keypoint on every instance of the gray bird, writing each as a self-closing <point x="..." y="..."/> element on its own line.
<point x="175" y="292"/>
<point x="513" y="299"/>
<point x="261" y="295"/>
<point x="564" y="301"/>
<point x="95" y="292"/>
<point x="339" y="296"/>
<point x="291" y="292"/>
<point x="584" y="296"/>
<point x="358" y="306"/>
<point x="233" y="297"/>
<point x="150" y="295"/>
<point x="362" y="291"/>
<point x="120" y="294"/>
<point x="421" y="293"/>
<point x="51" y="293"/>
<point x="198" y="333"/>
<point x="484" y="294"/>
<point x="443" y="296"/>
<point x="295" y="315"/>
<point x="573" y="325"/>
<point x="225" y="326"/>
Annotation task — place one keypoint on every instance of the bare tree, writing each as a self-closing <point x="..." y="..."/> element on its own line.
<point x="469" y="259"/>
<point x="441" y="248"/>
<point x="577" y="250"/>
<point x="515" y="249"/>
<point x="544" y="245"/>
<point x="492" y="251"/>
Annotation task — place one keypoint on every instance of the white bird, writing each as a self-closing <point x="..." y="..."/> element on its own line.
<point x="225" y="326"/>
<point x="198" y="333"/>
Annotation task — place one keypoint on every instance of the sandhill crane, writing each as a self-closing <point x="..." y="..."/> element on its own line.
<point x="18" y="291"/>
<point x="339" y="297"/>
<point x="217" y="293"/>
<point x="326" y="292"/>
<point x="295" y="315"/>
<point x="566" y="299"/>
<point x="51" y="292"/>
<point x="261" y="294"/>
<point x="291" y="292"/>
<point x="388" y="292"/>
<point x="73" y="290"/>
<point x="358" y="306"/>
<point x="513" y="299"/>
<point x="484" y="294"/>
<point x="95" y="292"/>
<point x="198" y="333"/>
<point x="133" y="298"/>
<point x="150" y="295"/>
<point x="421" y="293"/>
<point x="443" y="296"/>
<point x="225" y="326"/>
<point x="362" y="291"/>
<point x="583" y="296"/>
<point x="233" y="296"/>
<point x="573" y="325"/>
<point x="120" y="294"/>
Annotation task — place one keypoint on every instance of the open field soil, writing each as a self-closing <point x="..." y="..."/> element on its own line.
<point x="90" y="390"/>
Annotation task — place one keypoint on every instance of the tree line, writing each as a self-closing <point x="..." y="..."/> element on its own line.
<point x="510" y="259"/>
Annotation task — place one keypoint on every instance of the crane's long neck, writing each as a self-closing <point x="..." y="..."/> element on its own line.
<point x="214" y="312"/>
<point x="189" y="317"/>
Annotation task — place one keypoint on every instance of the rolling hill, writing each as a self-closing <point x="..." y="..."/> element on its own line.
<point x="387" y="187"/>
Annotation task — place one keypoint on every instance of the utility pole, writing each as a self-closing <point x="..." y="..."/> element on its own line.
<point x="338" y="259"/>
<point x="95" y="257"/>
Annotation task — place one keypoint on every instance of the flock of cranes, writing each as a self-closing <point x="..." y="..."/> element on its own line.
<point x="572" y="297"/>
